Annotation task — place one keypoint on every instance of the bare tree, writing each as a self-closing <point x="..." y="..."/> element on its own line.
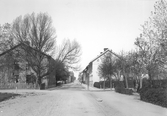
<point x="37" y="30"/>
<point x="69" y="53"/>
<point x="6" y="40"/>
<point x="61" y="72"/>
<point x="37" y="33"/>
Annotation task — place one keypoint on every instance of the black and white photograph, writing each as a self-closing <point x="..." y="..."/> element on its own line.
<point x="83" y="57"/>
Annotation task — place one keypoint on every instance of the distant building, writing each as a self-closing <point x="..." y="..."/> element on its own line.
<point x="71" y="77"/>
<point x="91" y="73"/>
<point x="82" y="77"/>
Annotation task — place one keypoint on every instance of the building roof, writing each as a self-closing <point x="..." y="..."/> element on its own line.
<point x="96" y="58"/>
<point x="22" y="44"/>
<point x="9" y="50"/>
<point x="106" y="50"/>
<point x="101" y="55"/>
<point x="105" y="53"/>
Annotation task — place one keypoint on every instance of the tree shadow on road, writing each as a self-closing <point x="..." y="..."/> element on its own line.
<point x="70" y="88"/>
<point x="100" y="90"/>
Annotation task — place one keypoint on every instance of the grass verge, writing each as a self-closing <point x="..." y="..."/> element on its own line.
<point x="6" y="96"/>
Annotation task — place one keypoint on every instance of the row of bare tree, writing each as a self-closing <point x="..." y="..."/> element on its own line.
<point x="38" y="33"/>
<point x="150" y="55"/>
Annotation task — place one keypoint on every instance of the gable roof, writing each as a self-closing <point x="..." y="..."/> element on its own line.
<point x="23" y="45"/>
<point x="101" y="55"/>
<point x="105" y="53"/>
<point x="10" y="50"/>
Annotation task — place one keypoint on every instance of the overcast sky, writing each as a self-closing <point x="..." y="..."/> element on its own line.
<point x="95" y="24"/>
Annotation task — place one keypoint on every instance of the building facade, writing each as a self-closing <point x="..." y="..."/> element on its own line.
<point x="14" y="68"/>
<point x="91" y="72"/>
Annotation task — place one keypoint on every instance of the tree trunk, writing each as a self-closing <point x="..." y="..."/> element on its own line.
<point x="104" y="85"/>
<point x="150" y="77"/>
<point x="125" y="77"/>
<point x="126" y="81"/>
<point x="119" y="75"/>
<point x="110" y="82"/>
<point x="141" y="82"/>
<point x="39" y="81"/>
<point x="55" y="80"/>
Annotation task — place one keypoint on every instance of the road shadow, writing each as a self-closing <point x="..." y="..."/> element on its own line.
<point x="70" y="87"/>
<point x="100" y="90"/>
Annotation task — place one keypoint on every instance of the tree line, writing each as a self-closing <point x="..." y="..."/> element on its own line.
<point x="150" y="54"/>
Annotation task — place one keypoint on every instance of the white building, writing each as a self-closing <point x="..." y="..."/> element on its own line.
<point x="92" y="70"/>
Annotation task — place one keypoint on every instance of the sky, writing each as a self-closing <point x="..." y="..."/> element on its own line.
<point x="95" y="24"/>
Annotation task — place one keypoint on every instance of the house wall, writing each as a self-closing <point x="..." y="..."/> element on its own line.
<point x="45" y="80"/>
<point x="95" y="65"/>
<point x="89" y="74"/>
<point x="95" y="74"/>
<point x="6" y="75"/>
<point x="52" y="76"/>
<point x="83" y="78"/>
<point x="8" y="71"/>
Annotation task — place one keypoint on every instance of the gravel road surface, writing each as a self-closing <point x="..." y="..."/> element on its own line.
<point x="75" y="100"/>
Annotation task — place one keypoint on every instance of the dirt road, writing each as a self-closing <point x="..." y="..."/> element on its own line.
<point x="74" y="100"/>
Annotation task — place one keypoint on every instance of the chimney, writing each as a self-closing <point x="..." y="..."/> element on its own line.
<point x="105" y="49"/>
